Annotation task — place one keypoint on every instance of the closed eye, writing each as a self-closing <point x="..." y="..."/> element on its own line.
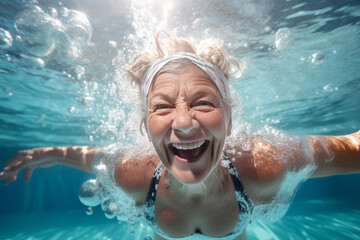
<point x="162" y="107"/>
<point x="203" y="104"/>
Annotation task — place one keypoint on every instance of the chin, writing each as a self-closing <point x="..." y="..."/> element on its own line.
<point x="190" y="177"/>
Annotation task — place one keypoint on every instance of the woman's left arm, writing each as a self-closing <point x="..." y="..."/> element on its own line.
<point x="336" y="154"/>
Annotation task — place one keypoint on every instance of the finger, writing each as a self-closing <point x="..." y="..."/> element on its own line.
<point x="19" y="156"/>
<point x="7" y="181"/>
<point x="10" y="178"/>
<point x="6" y="172"/>
<point x="9" y="170"/>
<point x="15" y="167"/>
<point x="28" y="173"/>
<point x="18" y="161"/>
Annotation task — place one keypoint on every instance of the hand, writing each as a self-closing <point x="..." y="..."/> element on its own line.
<point x="28" y="159"/>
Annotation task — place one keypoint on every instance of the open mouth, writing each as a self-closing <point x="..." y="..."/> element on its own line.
<point x="189" y="151"/>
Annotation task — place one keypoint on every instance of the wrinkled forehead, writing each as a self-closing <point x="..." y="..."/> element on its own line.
<point x="189" y="76"/>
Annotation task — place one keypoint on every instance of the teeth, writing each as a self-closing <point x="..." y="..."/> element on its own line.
<point x="186" y="146"/>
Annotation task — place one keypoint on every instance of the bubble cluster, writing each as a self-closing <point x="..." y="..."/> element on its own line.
<point x="103" y="191"/>
<point x="284" y="38"/>
<point x="79" y="70"/>
<point x="330" y="88"/>
<point x="64" y="35"/>
<point x="109" y="207"/>
<point x="6" y="39"/>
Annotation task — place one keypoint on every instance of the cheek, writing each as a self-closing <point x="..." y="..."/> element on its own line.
<point x="214" y="121"/>
<point x="158" y="125"/>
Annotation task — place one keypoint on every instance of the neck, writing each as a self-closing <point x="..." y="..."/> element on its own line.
<point x="214" y="183"/>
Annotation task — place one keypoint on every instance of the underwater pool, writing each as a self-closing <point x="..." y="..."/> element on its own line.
<point x="61" y="85"/>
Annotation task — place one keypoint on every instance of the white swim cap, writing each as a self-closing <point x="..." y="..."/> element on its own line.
<point x="214" y="73"/>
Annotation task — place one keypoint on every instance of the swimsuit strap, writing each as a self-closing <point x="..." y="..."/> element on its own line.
<point x="246" y="206"/>
<point x="149" y="206"/>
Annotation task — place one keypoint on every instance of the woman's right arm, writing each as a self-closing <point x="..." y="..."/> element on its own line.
<point x="76" y="157"/>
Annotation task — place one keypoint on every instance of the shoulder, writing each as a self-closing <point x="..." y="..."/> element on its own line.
<point x="256" y="158"/>
<point x="133" y="173"/>
<point x="259" y="165"/>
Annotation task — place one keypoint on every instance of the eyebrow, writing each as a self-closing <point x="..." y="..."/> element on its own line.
<point x="160" y="96"/>
<point x="212" y="95"/>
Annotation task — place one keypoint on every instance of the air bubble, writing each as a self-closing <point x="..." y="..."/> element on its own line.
<point x="234" y="68"/>
<point x="87" y="101"/>
<point x="100" y="169"/>
<point x="91" y="138"/>
<point x="72" y="110"/>
<point x="109" y="207"/>
<point x="80" y="70"/>
<point x="18" y="38"/>
<point x="113" y="44"/>
<point x="8" y="58"/>
<point x="35" y="28"/>
<point x="199" y="22"/>
<point x="74" y="36"/>
<point x="64" y="12"/>
<point x="283" y="38"/>
<point x="53" y="12"/>
<point x="330" y="88"/>
<point x="6" y="39"/>
<point x="89" y="211"/>
<point x="89" y="193"/>
<point x="78" y="27"/>
<point x="318" y="58"/>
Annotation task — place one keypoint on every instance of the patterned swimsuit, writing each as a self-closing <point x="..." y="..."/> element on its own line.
<point x="245" y="204"/>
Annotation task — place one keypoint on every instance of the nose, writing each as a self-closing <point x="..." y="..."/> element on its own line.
<point x="183" y="121"/>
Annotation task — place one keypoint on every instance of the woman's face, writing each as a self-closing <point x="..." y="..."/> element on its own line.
<point x="187" y="123"/>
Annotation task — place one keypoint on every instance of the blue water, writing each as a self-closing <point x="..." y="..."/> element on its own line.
<point x="61" y="85"/>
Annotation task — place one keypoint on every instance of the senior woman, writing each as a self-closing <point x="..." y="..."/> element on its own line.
<point x="203" y="181"/>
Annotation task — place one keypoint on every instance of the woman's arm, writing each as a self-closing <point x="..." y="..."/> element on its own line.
<point x="134" y="172"/>
<point x="336" y="154"/>
<point x="265" y="161"/>
<point x="76" y="157"/>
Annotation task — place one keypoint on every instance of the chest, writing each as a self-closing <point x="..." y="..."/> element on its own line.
<point x="177" y="215"/>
